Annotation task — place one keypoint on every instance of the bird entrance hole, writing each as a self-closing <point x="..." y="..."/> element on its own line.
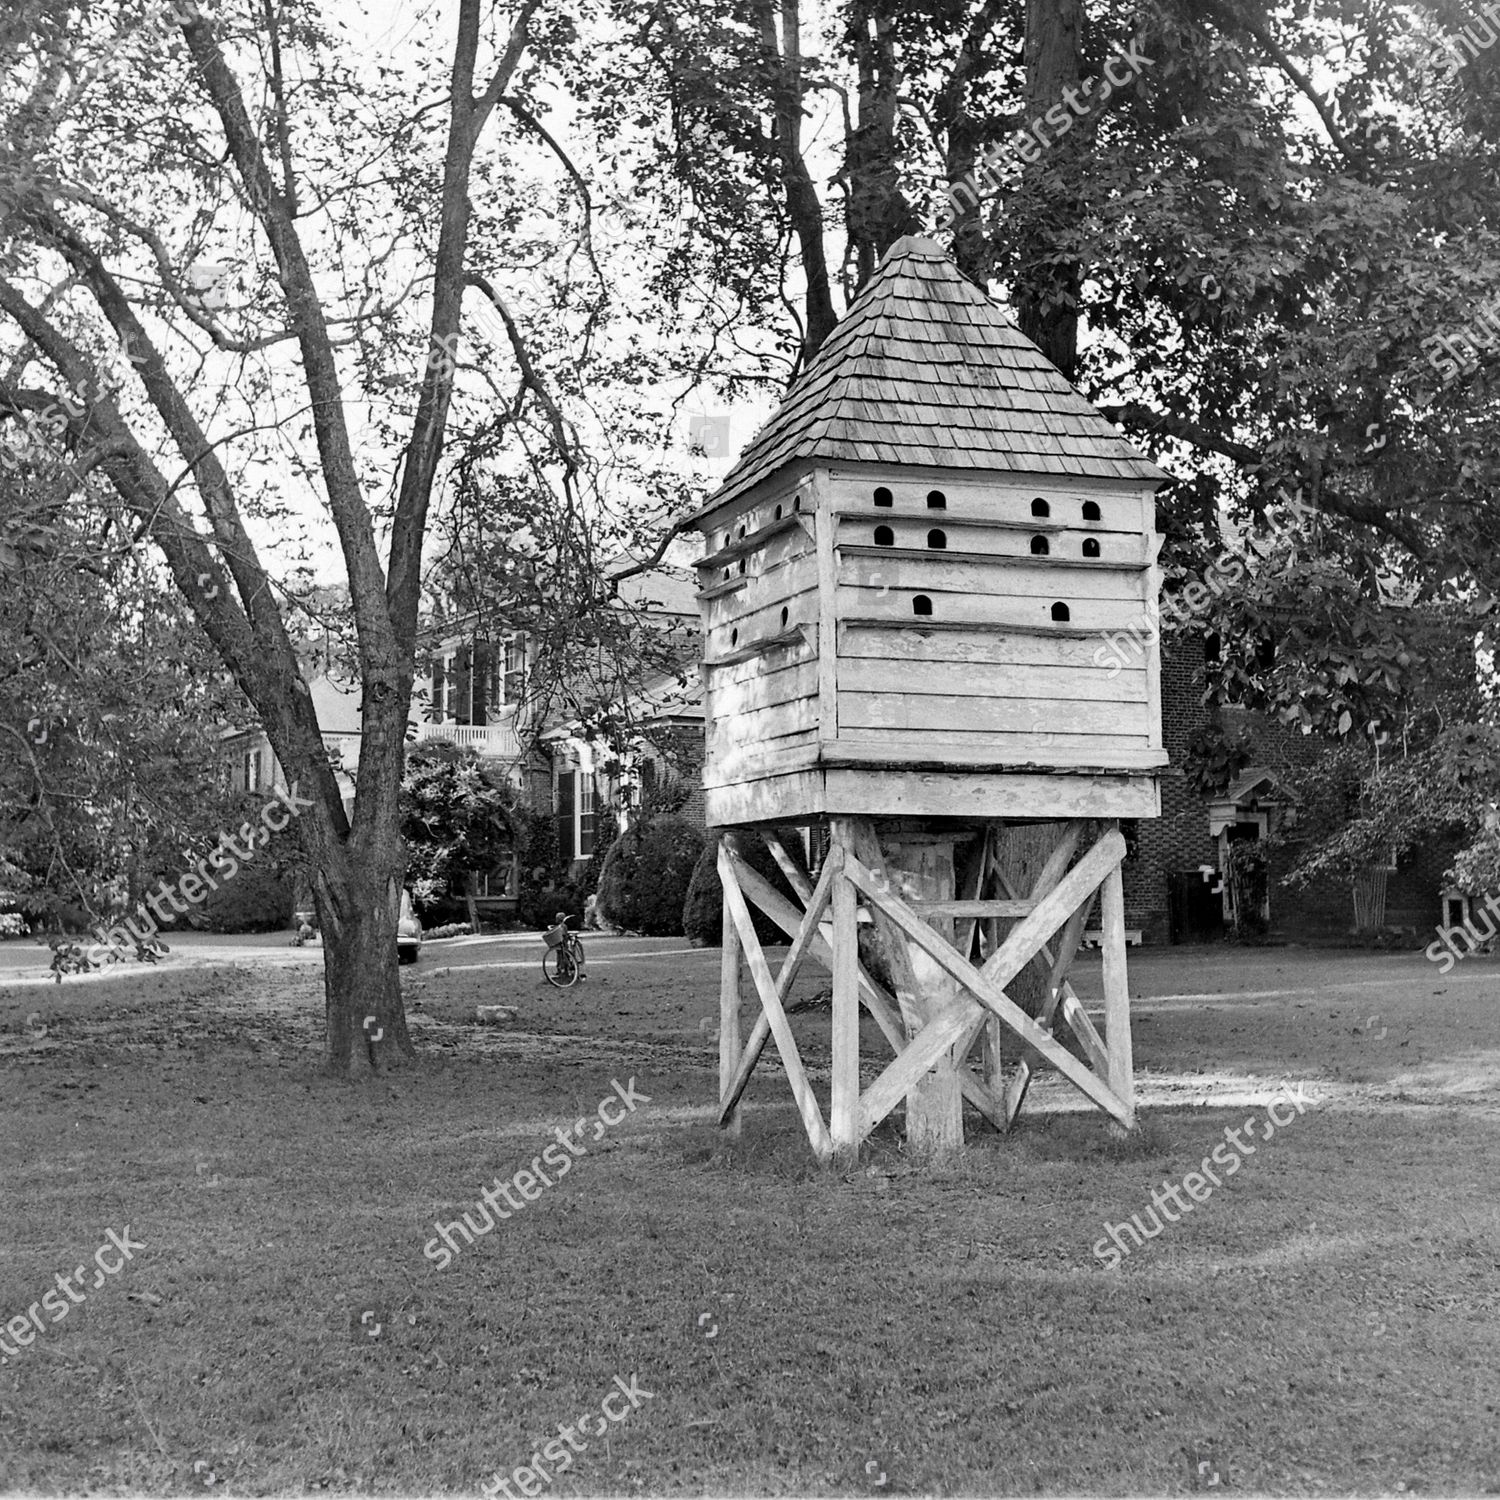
<point x="1060" y="612"/>
<point x="937" y="539"/>
<point x="1040" y="546"/>
<point x="1039" y="507"/>
<point x="884" y="498"/>
<point x="921" y="605"/>
<point x="884" y="537"/>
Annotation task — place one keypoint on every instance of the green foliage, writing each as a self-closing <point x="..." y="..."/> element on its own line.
<point x="1353" y="815"/>
<point x="645" y="877"/>
<point x="1215" y="758"/>
<point x="258" y="899"/>
<point x="457" y="816"/>
<point x="110" y="712"/>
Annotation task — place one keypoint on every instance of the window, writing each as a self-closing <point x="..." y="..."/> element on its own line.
<point x="937" y="540"/>
<point x="585" y="801"/>
<point x="251" y="770"/>
<point x="575" y="813"/>
<point x="1060" y="612"/>
<point x="1040" y="546"/>
<point x="883" y="497"/>
<point x="921" y="605"/>
<point x="936" y="500"/>
<point x="515" y="669"/>
<point x="1039" y="507"/>
<point x="490" y="884"/>
<point x="1091" y="546"/>
<point x="884" y="537"/>
<point x="565" y="800"/>
<point x="1091" y="510"/>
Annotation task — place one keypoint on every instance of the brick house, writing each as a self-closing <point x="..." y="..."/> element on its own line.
<point x="1173" y="886"/>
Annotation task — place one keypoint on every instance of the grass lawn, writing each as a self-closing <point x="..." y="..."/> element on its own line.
<point x="1328" y="1321"/>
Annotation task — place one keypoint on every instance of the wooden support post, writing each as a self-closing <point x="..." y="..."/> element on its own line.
<point x="1116" y="991"/>
<point x="844" y="1101"/>
<point x="935" y="1106"/>
<point x="730" y="998"/>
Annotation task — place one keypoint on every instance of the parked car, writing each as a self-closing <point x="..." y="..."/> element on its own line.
<point x="408" y="931"/>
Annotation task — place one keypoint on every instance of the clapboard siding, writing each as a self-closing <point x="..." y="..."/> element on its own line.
<point x="743" y="763"/>
<point x="786" y="580"/>
<point x="1006" y="498"/>
<point x="965" y="714"/>
<point x="753" y="562"/>
<point x="997" y="679"/>
<point x="1001" y="578"/>
<point x="759" y="726"/>
<point x="908" y="642"/>
<point x="766" y="689"/>
<point x="1062" y="541"/>
<point x="996" y="612"/>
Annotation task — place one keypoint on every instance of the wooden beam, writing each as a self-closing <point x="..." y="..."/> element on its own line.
<point x="730" y="998"/>
<point x="973" y="908"/>
<point x="921" y="1054"/>
<point x="880" y="1004"/>
<point x="1117" y="992"/>
<point x="843" y="1108"/>
<point x="1067" y="946"/>
<point x="802" y="940"/>
<point x="1052" y="911"/>
<point x="1013" y="955"/>
<point x="796" y="876"/>
<point x="786" y="1043"/>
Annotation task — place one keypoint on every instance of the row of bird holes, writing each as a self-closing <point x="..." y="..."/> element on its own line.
<point x="920" y="605"/>
<point x="937" y="500"/>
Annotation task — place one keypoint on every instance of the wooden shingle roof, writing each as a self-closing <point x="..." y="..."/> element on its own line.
<point x="925" y="370"/>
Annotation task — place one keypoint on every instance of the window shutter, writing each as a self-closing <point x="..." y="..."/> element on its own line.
<point x="462" y="685"/>
<point x="565" y="788"/>
<point x="484" y="657"/>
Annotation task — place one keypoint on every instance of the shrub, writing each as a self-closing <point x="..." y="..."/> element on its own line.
<point x="538" y="907"/>
<point x="644" y="881"/>
<point x="257" y="899"/>
<point x="703" y="907"/>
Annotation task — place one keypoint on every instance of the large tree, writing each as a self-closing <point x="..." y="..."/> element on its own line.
<point x="283" y="244"/>
<point x="1240" y="228"/>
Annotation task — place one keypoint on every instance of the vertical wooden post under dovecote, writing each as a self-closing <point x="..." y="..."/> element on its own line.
<point x="928" y="594"/>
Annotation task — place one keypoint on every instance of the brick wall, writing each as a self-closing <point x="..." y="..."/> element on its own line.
<point x="1179" y="839"/>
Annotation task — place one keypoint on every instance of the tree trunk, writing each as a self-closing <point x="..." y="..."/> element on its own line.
<point x="366" y="1020"/>
<point x="1047" y="286"/>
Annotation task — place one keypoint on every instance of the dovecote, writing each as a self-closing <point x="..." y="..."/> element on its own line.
<point x="911" y="574"/>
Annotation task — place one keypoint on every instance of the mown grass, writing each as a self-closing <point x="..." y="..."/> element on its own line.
<point x="1326" y="1323"/>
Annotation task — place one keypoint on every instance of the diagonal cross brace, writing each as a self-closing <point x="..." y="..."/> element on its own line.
<point x="984" y="985"/>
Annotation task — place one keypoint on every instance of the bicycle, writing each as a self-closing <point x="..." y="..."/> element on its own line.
<point x="562" y="963"/>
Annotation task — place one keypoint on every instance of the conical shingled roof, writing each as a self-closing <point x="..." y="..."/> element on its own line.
<point x="925" y="370"/>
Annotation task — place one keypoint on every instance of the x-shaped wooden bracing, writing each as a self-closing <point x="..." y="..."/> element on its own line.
<point x="825" y="929"/>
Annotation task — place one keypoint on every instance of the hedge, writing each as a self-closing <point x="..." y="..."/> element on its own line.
<point x="644" y="880"/>
<point x="703" y="908"/>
